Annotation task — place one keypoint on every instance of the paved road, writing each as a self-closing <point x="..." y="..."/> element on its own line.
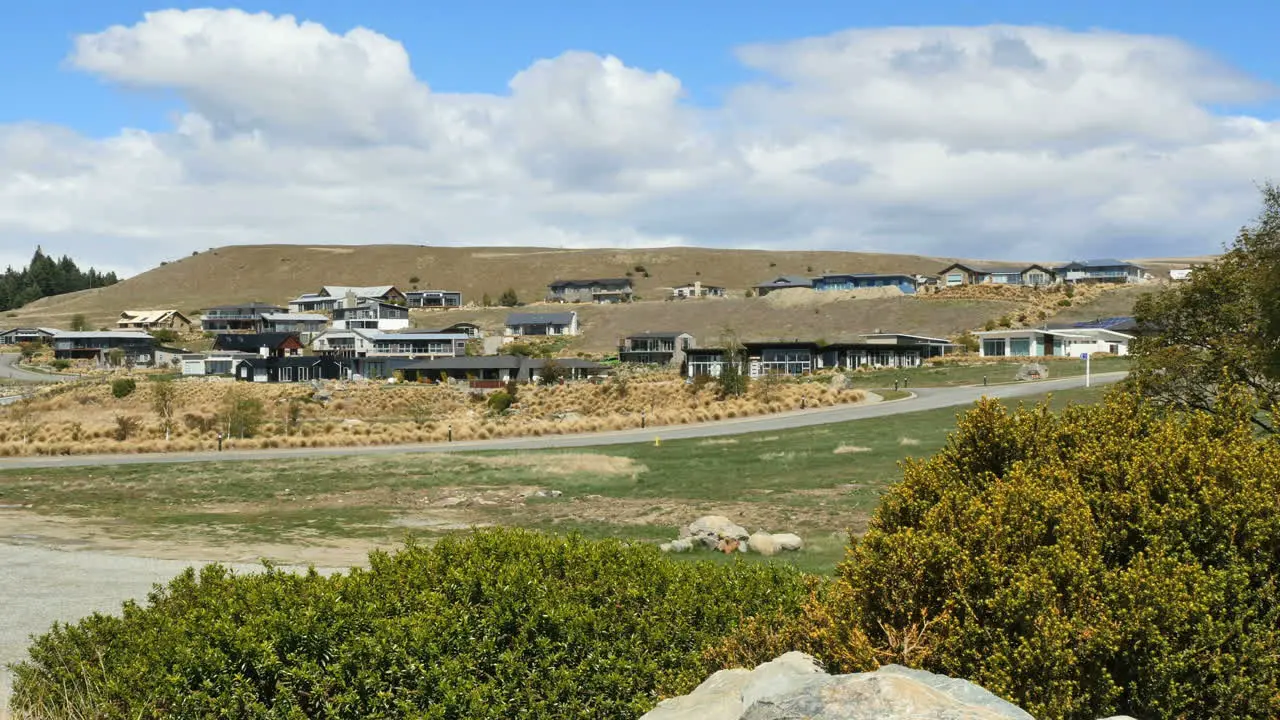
<point x="925" y="399"/>
<point x="9" y="369"/>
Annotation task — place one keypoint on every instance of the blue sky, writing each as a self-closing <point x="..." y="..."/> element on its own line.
<point x="477" y="47"/>
<point x="899" y="137"/>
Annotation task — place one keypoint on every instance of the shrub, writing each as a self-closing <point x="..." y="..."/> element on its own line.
<point x="499" y="624"/>
<point x="499" y="401"/>
<point x="126" y="427"/>
<point x="1064" y="302"/>
<point x="553" y="373"/>
<point x="60" y="364"/>
<point x="509" y="298"/>
<point x="27" y="350"/>
<point x="165" y="335"/>
<point x="1112" y="559"/>
<point x="123" y="387"/>
<point x="242" y="413"/>
<point x="79" y="323"/>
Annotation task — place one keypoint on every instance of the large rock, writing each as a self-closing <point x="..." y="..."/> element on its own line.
<point x="763" y="543"/>
<point x="1032" y="371"/>
<point x="793" y="687"/>
<point x="788" y="541"/>
<point x="716" y="531"/>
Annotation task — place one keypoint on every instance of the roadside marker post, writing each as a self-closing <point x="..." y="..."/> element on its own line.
<point x="1085" y="357"/>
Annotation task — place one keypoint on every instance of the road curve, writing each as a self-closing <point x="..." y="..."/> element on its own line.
<point x="925" y="399"/>
<point x="9" y="369"/>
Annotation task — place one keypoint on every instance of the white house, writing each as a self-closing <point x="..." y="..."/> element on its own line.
<point x="696" y="290"/>
<point x="372" y="315"/>
<point x="541" y="324"/>
<point x="1180" y="275"/>
<point x="343" y="343"/>
<point x="1072" y="342"/>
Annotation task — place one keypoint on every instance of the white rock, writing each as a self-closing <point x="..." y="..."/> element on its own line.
<point x="763" y="543"/>
<point x="788" y="541"/>
<point x="681" y="545"/>
<point x="710" y="530"/>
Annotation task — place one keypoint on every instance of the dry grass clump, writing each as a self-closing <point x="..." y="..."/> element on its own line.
<point x="846" y="449"/>
<point x="83" y="417"/>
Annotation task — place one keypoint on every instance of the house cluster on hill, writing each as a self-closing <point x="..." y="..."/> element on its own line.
<point x="365" y="331"/>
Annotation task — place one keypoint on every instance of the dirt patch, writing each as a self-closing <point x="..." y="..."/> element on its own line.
<point x="804" y="297"/>
<point x="846" y="449"/>
<point x="676" y="513"/>
<point x="567" y="463"/>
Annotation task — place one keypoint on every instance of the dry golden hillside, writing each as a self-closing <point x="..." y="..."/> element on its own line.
<point x="277" y="273"/>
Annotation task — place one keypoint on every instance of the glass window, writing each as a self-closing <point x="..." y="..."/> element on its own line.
<point x="993" y="348"/>
<point x="1020" y="347"/>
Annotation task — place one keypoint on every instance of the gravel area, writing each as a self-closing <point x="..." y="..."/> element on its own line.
<point x="40" y="585"/>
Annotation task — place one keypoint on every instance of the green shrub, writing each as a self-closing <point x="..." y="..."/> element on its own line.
<point x="499" y="624"/>
<point x="1112" y="559"/>
<point x="60" y="364"/>
<point x="123" y="387"/>
<point x="499" y="402"/>
<point x="165" y="335"/>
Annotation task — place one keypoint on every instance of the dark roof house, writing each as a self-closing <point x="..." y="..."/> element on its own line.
<point x="278" y="344"/>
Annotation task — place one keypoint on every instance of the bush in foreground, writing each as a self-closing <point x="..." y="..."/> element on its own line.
<point x="500" y="624"/>
<point x="1108" y="559"/>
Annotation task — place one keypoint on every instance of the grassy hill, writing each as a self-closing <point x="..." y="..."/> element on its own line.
<point x="277" y="273"/>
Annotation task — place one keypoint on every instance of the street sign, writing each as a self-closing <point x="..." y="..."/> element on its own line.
<point x="1084" y="356"/>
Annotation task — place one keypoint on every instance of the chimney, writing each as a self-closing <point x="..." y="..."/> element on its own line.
<point x="349" y="301"/>
<point x="264" y="351"/>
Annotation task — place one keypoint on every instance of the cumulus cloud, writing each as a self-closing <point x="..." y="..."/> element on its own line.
<point x="1014" y="142"/>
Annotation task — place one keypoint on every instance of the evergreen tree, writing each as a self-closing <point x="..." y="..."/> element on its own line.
<point x="44" y="276"/>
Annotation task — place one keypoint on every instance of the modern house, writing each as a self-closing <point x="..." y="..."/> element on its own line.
<point x="696" y="290"/>
<point x="211" y="363"/>
<point x="1180" y="275"/>
<point x="236" y="318"/>
<point x="1106" y="270"/>
<point x="494" y="370"/>
<point x="464" y="328"/>
<point x="801" y="357"/>
<point x="372" y="315"/>
<point x="857" y="281"/>
<point x="783" y="282"/>
<point x="343" y="343"/>
<point x="1125" y="324"/>
<point x="334" y="296"/>
<point x="599" y="290"/>
<point x="153" y="320"/>
<point x="271" y="344"/>
<point x="419" y="345"/>
<point x="967" y="274"/>
<point x="541" y="324"/>
<point x="22" y="336"/>
<point x="434" y="298"/>
<point x="136" y="346"/>
<point x="656" y="348"/>
<point x="303" y="324"/>
<point x="287" y="369"/>
<point x="1073" y="342"/>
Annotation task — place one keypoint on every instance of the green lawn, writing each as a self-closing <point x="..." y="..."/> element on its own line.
<point x="819" y="482"/>
<point x="995" y="371"/>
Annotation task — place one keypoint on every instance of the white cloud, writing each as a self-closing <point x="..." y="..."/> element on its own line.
<point x="982" y="142"/>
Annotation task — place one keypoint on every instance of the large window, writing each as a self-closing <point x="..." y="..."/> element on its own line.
<point x="788" y="362"/>
<point x="1020" y="347"/>
<point x="955" y="279"/>
<point x="286" y="374"/>
<point x="993" y="348"/>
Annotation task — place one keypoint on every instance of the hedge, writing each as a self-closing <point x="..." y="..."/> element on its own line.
<point x="498" y="624"/>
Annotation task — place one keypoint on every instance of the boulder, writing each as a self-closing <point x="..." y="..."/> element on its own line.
<point x="788" y="541"/>
<point x="1032" y="371"/>
<point x="793" y="686"/>
<point x="763" y="543"/>
<point x="839" y="381"/>
<point x="712" y="530"/>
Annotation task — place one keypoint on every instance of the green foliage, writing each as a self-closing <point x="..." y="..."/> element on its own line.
<point x="499" y="624"/>
<point x="242" y="413"/>
<point x="44" y="276"/>
<point x="165" y="335"/>
<point x="508" y="298"/>
<point x="79" y="323"/>
<point x="499" y="402"/>
<point x="1064" y="302"/>
<point x="28" y="350"/>
<point x="968" y="342"/>
<point x="1112" y="559"/>
<point x="1223" y="324"/>
<point x="123" y="387"/>
<point x="60" y="364"/>
<point x="115" y="357"/>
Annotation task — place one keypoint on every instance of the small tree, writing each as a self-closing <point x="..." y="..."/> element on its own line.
<point x="165" y="335"/>
<point x="508" y="298"/>
<point x="292" y="416"/>
<point x="732" y="381"/>
<point x="126" y="426"/>
<point x="242" y="414"/>
<point x="164" y="402"/>
<point x="24" y="415"/>
<point x="115" y="357"/>
<point x="769" y="385"/>
<point x="499" y="402"/>
<point x="486" y="301"/>
<point x="28" y="350"/>
<point x="79" y="323"/>
<point x="553" y="373"/>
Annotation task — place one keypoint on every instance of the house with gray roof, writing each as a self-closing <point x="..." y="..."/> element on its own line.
<point x="1104" y="270"/>
<point x="783" y="282"/>
<point x="541" y="324"/>
<point x="22" y="335"/>
<point x="596" y="290"/>
<point x="1034" y="275"/>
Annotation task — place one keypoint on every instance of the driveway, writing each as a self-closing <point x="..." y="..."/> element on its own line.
<point x="924" y="399"/>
